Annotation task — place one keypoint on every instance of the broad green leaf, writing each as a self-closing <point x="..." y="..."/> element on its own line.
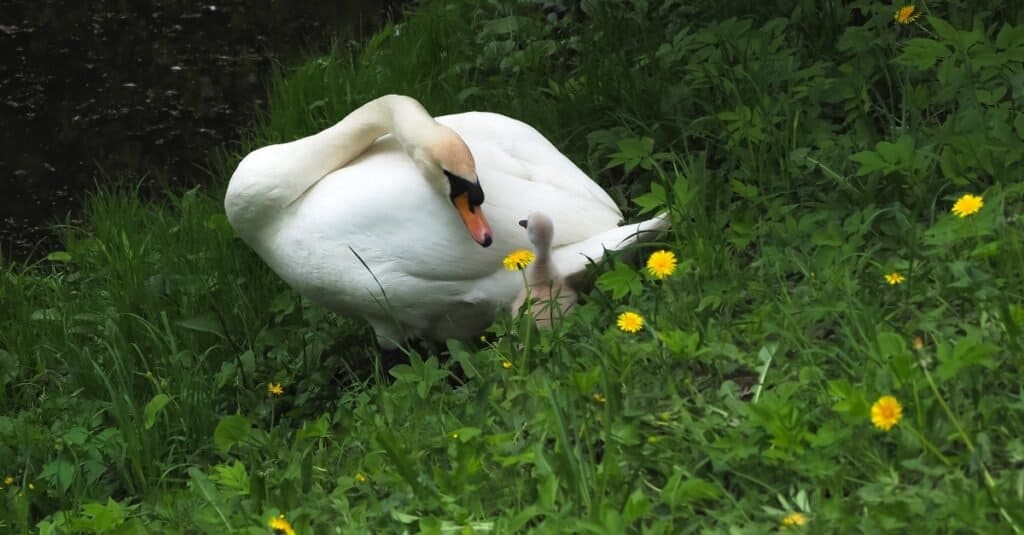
<point x="620" y="282"/>
<point x="922" y="54"/>
<point x="233" y="478"/>
<point x="636" y="507"/>
<point x="104" y="517"/>
<point x="59" y="256"/>
<point x="205" y="324"/>
<point x="154" y="408"/>
<point x="60" y="472"/>
<point x="682" y="489"/>
<point x="230" y="431"/>
<point x="313" y="430"/>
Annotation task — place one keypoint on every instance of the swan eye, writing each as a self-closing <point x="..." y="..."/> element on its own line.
<point x="460" y="185"/>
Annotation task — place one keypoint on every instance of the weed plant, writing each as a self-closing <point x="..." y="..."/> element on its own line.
<point x="155" y="377"/>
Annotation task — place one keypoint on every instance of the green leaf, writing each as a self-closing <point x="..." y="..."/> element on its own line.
<point x="620" y="282"/>
<point x="744" y="190"/>
<point x="60" y="472"/>
<point x="870" y="162"/>
<point x="636" y="507"/>
<point x="682" y="489"/>
<point x="205" y="324"/>
<point x="200" y="482"/>
<point x="313" y="431"/>
<point x="922" y="54"/>
<point x="153" y="409"/>
<point x="652" y="201"/>
<point x="969" y="351"/>
<point x="947" y="32"/>
<point x="232" y="477"/>
<point x="59" y="256"/>
<point x="231" y="430"/>
<point x="103" y="518"/>
<point x="891" y="344"/>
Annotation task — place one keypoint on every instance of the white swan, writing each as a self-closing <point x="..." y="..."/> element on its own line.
<point x="370" y="216"/>
<point x="550" y="296"/>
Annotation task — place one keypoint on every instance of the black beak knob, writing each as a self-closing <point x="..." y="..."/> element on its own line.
<point x="522" y="223"/>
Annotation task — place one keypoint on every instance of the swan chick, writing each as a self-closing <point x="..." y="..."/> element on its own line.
<point x="550" y="298"/>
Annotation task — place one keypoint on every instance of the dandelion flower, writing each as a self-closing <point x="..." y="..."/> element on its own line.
<point x="281" y="526"/>
<point x="918" y="343"/>
<point x="517" y="260"/>
<point x="886" y="413"/>
<point x="894" y="278"/>
<point x="360" y="478"/>
<point x="630" y="322"/>
<point x="455" y="435"/>
<point x="275" y="389"/>
<point x="661" y="264"/>
<point x="599" y="397"/>
<point x="968" y="205"/>
<point x="906" y="14"/>
<point x="31" y="486"/>
<point x="506" y="364"/>
<point x="9" y="480"/>
<point x="794" y="519"/>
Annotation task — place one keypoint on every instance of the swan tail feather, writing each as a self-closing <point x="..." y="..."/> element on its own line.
<point x="572" y="260"/>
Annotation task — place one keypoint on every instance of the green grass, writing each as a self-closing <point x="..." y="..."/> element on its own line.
<point x="803" y="149"/>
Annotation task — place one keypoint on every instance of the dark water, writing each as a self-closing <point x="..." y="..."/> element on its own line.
<point x="105" y="90"/>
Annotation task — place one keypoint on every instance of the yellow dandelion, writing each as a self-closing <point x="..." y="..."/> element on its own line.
<point x="31" y="486"/>
<point x="906" y="14"/>
<point x="275" y="389"/>
<point x="506" y="364"/>
<point x="661" y="264"/>
<point x="894" y="278"/>
<point x="794" y="519"/>
<point x="9" y="480"/>
<point x="360" y="478"/>
<point x="518" y="259"/>
<point x="918" y="343"/>
<point x="630" y="322"/>
<point x="455" y="435"/>
<point x="599" y="397"/>
<point x="968" y="205"/>
<point x="281" y="526"/>
<point x="886" y="413"/>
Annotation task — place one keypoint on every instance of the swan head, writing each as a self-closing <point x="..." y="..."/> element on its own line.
<point x="539" y="229"/>
<point x="449" y="165"/>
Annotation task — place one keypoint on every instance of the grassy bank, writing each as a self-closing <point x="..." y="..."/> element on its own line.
<point x="807" y="155"/>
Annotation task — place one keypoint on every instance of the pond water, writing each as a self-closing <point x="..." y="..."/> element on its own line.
<point x="138" y="90"/>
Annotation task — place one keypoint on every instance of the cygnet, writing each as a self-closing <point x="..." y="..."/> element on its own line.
<point x="550" y="297"/>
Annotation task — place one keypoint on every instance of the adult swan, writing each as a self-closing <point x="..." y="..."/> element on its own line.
<point x="370" y="216"/>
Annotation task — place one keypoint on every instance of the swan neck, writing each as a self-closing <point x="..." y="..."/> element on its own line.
<point x="400" y="116"/>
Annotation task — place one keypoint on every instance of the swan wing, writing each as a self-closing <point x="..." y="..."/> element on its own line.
<point x="524" y="168"/>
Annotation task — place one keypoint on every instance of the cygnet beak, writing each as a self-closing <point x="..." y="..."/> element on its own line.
<point x="522" y="223"/>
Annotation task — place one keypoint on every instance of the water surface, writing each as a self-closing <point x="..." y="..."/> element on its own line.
<point x="103" y="91"/>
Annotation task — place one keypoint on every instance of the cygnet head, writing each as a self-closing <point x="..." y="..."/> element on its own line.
<point x="540" y="230"/>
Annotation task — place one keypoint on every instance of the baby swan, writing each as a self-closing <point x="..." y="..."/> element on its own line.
<point x="549" y="295"/>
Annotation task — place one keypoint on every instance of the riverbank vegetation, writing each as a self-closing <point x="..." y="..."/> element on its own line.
<point x="837" y="348"/>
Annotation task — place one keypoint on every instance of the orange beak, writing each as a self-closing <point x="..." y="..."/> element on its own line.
<point x="473" y="218"/>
